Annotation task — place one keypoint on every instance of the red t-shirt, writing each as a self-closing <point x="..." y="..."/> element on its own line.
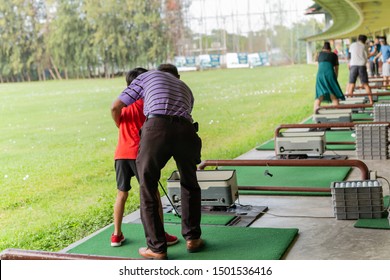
<point x="132" y="119"/>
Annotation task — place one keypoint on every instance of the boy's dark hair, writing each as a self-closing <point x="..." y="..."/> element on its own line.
<point x="170" y="68"/>
<point x="362" y="38"/>
<point x="134" y="73"/>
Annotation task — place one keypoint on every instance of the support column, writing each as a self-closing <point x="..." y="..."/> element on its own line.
<point x="309" y="52"/>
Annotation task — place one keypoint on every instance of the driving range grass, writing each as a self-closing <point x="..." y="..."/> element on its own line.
<point x="57" y="178"/>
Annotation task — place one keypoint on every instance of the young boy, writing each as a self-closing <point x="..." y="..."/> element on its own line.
<point x="131" y="121"/>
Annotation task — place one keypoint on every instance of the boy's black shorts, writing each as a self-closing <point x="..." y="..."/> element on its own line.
<point x="125" y="169"/>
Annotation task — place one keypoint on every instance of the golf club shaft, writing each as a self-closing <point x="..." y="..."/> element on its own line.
<point x="170" y="201"/>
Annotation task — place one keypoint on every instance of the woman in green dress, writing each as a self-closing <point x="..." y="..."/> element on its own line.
<point x="327" y="86"/>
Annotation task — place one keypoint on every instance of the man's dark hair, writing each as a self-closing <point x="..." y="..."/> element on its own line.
<point x="170" y="68"/>
<point x="134" y="73"/>
<point x="326" y="46"/>
<point x="362" y="38"/>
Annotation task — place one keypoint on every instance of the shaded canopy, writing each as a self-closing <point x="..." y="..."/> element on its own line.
<point x="354" y="17"/>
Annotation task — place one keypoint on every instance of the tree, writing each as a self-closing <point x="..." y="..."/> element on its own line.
<point x="12" y="39"/>
<point x="78" y="38"/>
<point x="36" y="15"/>
<point x="173" y="18"/>
<point x="68" y="37"/>
<point x="150" y="32"/>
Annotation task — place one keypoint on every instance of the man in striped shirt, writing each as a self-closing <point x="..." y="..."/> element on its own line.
<point x="167" y="132"/>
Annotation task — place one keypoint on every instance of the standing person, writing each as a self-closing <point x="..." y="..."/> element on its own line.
<point x="378" y="49"/>
<point x="130" y="123"/>
<point x="168" y="132"/>
<point x="371" y="58"/>
<point x="357" y="66"/>
<point x="385" y="54"/>
<point x="327" y="86"/>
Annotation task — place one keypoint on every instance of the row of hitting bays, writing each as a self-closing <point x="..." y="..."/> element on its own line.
<point x="368" y="125"/>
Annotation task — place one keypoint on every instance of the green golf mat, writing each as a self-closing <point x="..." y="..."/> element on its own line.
<point x="290" y="193"/>
<point x="366" y="117"/>
<point x="383" y="98"/>
<point x="330" y="136"/>
<point x="222" y="243"/>
<point x="206" y="219"/>
<point x="383" y="223"/>
<point x="309" y="177"/>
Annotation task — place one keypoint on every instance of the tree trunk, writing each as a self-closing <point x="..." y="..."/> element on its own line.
<point x="89" y="71"/>
<point x="41" y="73"/>
<point x="55" y="69"/>
<point x="106" y="74"/>
<point x="52" y="74"/>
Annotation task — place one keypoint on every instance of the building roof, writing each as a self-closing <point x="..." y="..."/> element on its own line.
<point x="354" y="17"/>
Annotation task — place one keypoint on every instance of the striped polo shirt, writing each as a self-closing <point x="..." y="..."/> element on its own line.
<point x="163" y="94"/>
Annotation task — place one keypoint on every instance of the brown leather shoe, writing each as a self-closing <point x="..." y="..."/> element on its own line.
<point x="195" y="245"/>
<point x="149" y="254"/>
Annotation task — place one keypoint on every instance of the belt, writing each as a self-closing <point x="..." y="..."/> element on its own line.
<point x="168" y="117"/>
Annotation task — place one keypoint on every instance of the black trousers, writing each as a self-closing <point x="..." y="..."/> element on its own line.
<point x="374" y="68"/>
<point x="162" y="139"/>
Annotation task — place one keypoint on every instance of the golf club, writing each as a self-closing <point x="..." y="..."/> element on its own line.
<point x="170" y="201"/>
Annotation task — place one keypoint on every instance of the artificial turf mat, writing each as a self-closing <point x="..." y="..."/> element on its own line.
<point x="383" y="223"/>
<point x="385" y="97"/>
<point x="222" y="243"/>
<point x="355" y="116"/>
<point x="206" y="219"/>
<point x="291" y="193"/>
<point x="362" y="116"/>
<point x="330" y="136"/>
<point x="340" y="136"/>
<point x="310" y="177"/>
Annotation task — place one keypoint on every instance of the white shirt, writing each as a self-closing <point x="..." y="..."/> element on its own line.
<point x="359" y="55"/>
